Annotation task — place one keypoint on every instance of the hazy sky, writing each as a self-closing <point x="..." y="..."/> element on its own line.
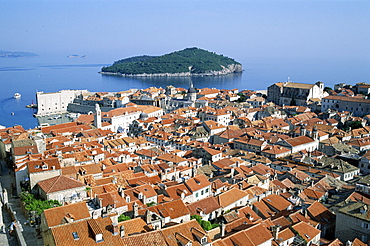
<point x="255" y="29"/>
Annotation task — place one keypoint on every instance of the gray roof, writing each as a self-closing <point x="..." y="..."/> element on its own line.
<point x="365" y="180"/>
<point x="356" y="209"/>
<point x="336" y="165"/>
<point x="24" y="142"/>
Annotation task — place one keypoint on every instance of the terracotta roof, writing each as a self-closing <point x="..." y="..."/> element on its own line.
<point x="255" y="235"/>
<point x="175" y="191"/>
<point x="59" y="183"/>
<point x="230" y="196"/>
<point x="206" y="205"/>
<point x="56" y="216"/>
<point x="112" y="198"/>
<point x="24" y="150"/>
<point x="299" y="140"/>
<point x="320" y="213"/>
<point x="197" y="183"/>
<point x="190" y="230"/>
<point x="49" y="129"/>
<point x="306" y="231"/>
<point x="146" y="190"/>
<point x="173" y="209"/>
<point x="347" y="99"/>
<point x="212" y="151"/>
<point x="275" y="149"/>
<point x="43" y="165"/>
<point x="134" y="226"/>
<point x="285" y="235"/>
<point x="277" y="202"/>
<point x="298" y="85"/>
<point x="171" y="158"/>
<point x="84" y="231"/>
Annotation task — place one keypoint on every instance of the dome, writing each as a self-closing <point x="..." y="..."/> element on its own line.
<point x="143" y="115"/>
<point x="192" y="90"/>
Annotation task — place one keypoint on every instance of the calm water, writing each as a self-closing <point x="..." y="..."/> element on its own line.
<point x="29" y="75"/>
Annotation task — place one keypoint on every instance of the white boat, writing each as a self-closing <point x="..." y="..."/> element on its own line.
<point x="17" y="95"/>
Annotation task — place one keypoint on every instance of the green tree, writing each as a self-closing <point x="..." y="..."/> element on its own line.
<point x="206" y="225"/>
<point x="327" y="89"/>
<point x="123" y="217"/>
<point x="149" y="204"/>
<point x="355" y="124"/>
<point x="191" y="60"/>
<point x="37" y="205"/>
<point x="242" y="97"/>
<point x="198" y="218"/>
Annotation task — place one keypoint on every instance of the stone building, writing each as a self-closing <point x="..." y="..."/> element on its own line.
<point x="62" y="189"/>
<point x="357" y="105"/>
<point x="57" y="102"/>
<point x="289" y="93"/>
<point x="353" y="221"/>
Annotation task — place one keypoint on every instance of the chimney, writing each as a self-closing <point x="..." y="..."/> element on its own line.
<point x="232" y="172"/>
<point x="100" y="202"/>
<point x="275" y="231"/>
<point x="136" y="209"/>
<point x="95" y="215"/>
<point x="120" y="191"/>
<point x="162" y="222"/>
<point x="115" y="228"/>
<point x="148" y="217"/>
<point x="223" y="227"/>
<point x="304" y="211"/>
<point x="95" y="230"/>
<point x="122" y="231"/>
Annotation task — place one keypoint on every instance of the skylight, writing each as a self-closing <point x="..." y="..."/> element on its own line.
<point x="75" y="236"/>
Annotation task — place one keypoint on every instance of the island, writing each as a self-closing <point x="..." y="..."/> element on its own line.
<point x="16" y="54"/>
<point x="187" y="62"/>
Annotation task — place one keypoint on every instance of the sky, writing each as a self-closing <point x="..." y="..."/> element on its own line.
<point x="241" y="29"/>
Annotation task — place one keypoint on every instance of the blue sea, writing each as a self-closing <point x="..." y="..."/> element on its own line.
<point x="50" y="74"/>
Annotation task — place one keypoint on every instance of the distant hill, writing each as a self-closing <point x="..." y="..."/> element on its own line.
<point x="15" y="54"/>
<point x="187" y="62"/>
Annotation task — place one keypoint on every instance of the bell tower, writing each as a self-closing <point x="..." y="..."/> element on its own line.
<point x="97" y="116"/>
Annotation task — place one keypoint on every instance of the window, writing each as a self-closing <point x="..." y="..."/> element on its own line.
<point x="204" y="240"/>
<point x="75" y="236"/>
<point x="196" y="194"/>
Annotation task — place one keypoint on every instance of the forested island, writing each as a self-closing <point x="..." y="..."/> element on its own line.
<point x="16" y="54"/>
<point x="187" y="62"/>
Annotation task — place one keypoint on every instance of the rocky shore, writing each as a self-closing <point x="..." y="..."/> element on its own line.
<point x="232" y="68"/>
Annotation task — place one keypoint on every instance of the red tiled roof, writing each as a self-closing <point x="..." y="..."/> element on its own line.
<point x="59" y="183"/>
<point x="76" y="211"/>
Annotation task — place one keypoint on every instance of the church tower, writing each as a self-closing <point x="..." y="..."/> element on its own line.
<point x="97" y="116"/>
<point x="315" y="133"/>
<point x="192" y="93"/>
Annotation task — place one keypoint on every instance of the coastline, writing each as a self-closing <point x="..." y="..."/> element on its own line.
<point x="233" y="68"/>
